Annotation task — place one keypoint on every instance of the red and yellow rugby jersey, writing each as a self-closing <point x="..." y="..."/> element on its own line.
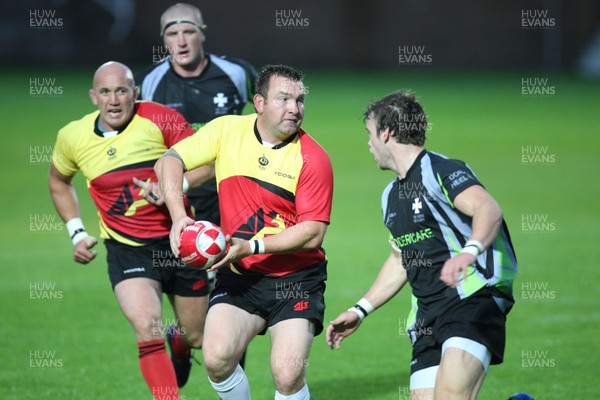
<point x="264" y="190"/>
<point x="110" y="163"/>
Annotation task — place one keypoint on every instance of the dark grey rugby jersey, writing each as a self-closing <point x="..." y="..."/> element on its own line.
<point x="224" y="87"/>
<point x="428" y="230"/>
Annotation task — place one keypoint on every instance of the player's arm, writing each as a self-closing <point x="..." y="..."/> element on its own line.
<point x="390" y="280"/>
<point x="191" y="179"/>
<point x="199" y="176"/>
<point x="306" y="235"/>
<point x="486" y="215"/>
<point x="169" y="170"/>
<point x="66" y="203"/>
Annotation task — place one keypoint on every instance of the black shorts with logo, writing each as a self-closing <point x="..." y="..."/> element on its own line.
<point x="273" y="298"/>
<point x="477" y="317"/>
<point x="155" y="261"/>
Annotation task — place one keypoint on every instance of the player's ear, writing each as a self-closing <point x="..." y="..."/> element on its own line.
<point x="93" y="97"/>
<point x="259" y="103"/>
<point x="385" y="135"/>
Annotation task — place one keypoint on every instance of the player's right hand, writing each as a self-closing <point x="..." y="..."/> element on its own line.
<point x="82" y="252"/>
<point x="176" y="231"/>
<point x="344" y="325"/>
<point x="236" y="249"/>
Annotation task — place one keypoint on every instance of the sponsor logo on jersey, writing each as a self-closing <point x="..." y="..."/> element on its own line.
<point x="417" y="205"/>
<point x="301" y="305"/>
<point x="284" y="175"/>
<point x="413" y="237"/>
<point x="263" y="161"/>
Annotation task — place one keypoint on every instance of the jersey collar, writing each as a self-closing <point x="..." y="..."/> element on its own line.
<point x="277" y="146"/>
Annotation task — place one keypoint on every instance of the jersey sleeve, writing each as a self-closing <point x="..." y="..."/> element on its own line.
<point x="62" y="156"/>
<point x="202" y="147"/>
<point x="314" y="194"/>
<point x="454" y="177"/>
<point x="251" y="75"/>
<point x="171" y="123"/>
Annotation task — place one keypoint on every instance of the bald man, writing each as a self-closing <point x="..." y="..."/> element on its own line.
<point x="115" y="147"/>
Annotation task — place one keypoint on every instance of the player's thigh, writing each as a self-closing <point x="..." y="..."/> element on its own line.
<point x="291" y="340"/>
<point x="227" y="332"/>
<point x="140" y="300"/>
<point x="191" y="316"/>
<point x="462" y="369"/>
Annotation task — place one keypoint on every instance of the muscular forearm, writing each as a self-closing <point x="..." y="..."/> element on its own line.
<point x="306" y="235"/>
<point x="199" y="176"/>
<point x="169" y="171"/>
<point x="485" y="212"/>
<point x="390" y="280"/>
<point x="486" y="222"/>
<point x="63" y="196"/>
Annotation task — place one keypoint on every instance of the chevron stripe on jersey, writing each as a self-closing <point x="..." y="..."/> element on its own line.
<point x="109" y="165"/>
<point x="264" y="190"/>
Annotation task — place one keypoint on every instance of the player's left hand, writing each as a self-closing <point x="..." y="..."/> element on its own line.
<point x="236" y="250"/>
<point x="150" y="191"/>
<point x="454" y="267"/>
<point x="344" y="325"/>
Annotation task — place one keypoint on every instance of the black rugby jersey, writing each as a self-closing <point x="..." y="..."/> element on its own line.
<point x="427" y="229"/>
<point x="224" y="87"/>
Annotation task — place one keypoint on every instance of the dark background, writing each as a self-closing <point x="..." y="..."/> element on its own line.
<point x="336" y="33"/>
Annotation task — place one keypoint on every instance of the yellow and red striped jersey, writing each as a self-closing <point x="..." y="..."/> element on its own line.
<point x="264" y="190"/>
<point x="110" y="163"/>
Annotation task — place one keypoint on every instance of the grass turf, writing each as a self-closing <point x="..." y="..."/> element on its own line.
<point x="78" y="345"/>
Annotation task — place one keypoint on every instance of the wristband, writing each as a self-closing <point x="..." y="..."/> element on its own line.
<point x="365" y="305"/>
<point x="76" y="230"/>
<point x="185" y="186"/>
<point x="257" y="246"/>
<point x="362" y="308"/>
<point x="261" y="246"/>
<point x="358" y="312"/>
<point x="473" y="247"/>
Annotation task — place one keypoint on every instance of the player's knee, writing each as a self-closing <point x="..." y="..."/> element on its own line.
<point x="288" y="381"/>
<point x="193" y="339"/>
<point x="218" y="367"/>
<point x="146" y="328"/>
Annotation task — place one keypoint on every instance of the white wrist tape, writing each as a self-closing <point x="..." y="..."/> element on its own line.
<point x="362" y="308"/>
<point x="76" y="230"/>
<point x="257" y="246"/>
<point x="473" y="247"/>
<point x="358" y="312"/>
<point x="364" y="303"/>
<point x="185" y="186"/>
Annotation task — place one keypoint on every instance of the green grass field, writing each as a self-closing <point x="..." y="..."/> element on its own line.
<point x="64" y="337"/>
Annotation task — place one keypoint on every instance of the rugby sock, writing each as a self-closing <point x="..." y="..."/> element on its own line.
<point x="157" y="370"/>
<point x="181" y="350"/>
<point x="303" y="394"/>
<point x="235" y="387"/>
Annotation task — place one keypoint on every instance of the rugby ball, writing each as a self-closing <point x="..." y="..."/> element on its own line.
<point x="202" y="244"/>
